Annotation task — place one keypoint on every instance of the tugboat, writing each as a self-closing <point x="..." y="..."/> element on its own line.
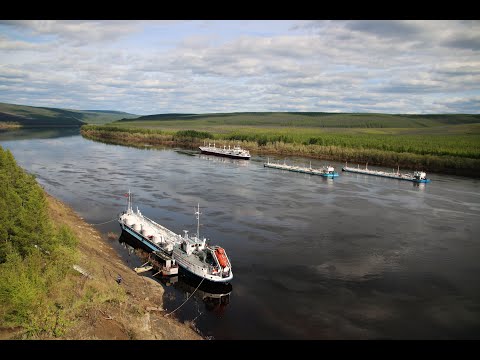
<point x="209" y="262"/>
<point x="236" y="152"/>
<point x="417" y="176"/>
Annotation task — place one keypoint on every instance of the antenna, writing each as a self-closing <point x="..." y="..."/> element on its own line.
<point x="198" y="220"/>
<point x="129" y="201"/>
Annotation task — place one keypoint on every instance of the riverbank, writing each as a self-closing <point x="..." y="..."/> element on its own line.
<point x="111" y="311"/>
<point x="446" y="164"/>
<point x="9" y="125"/>
<point x="140" y="315"/>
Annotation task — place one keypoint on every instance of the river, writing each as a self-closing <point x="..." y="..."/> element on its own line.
<point x="355" y="257"/>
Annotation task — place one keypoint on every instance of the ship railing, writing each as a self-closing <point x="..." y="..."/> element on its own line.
<point x="196" y="265"/>
<point x="210" y="268"/>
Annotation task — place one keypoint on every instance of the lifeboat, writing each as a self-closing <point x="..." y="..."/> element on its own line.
<point x="221" y="256"/>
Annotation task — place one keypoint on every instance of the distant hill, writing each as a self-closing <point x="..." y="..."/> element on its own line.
<point x="31" y="116"/>
<point x="306" y="119"/>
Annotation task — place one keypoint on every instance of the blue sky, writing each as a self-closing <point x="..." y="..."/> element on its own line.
<point x="200" y="66"/>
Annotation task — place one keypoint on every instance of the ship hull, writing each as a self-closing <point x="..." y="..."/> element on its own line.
<point x="197" y="271"/>
<point x="225" y="155"/>
<point x="137" y="240"/>
<point x="356" y="171"/>
<point x="215" y="289"/>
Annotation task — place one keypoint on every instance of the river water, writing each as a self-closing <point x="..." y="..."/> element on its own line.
<point x="357" y="257"/>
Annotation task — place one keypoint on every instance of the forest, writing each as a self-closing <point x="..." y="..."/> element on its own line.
<point x="35" y="256"/>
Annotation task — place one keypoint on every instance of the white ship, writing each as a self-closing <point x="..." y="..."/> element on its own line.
<point x="209" y="262"/>
<point x="236" y="152"/>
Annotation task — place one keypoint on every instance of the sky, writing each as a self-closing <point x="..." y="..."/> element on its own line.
<point x="199" y="66"/>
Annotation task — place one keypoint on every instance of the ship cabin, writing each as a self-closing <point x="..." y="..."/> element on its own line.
<point x="330" y="170"/>
<point x="192" y="244"/>
<point x="420" y="175"/>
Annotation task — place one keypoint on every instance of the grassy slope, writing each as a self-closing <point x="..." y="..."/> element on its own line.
<point x="453" y="135"/>
<point x="307" y="120"/>
<point x="42" y="116"/>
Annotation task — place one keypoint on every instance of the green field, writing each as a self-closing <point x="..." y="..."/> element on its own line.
<point x="298" y="119"/>
<point x="30" y="116"/>
<point x="439" y="135"/>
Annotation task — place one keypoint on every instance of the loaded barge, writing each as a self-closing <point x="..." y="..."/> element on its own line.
<point x="417" y="176"/>
<point x="325" y="171"/>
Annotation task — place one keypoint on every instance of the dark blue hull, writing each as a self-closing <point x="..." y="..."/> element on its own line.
<point x="139" y="240"/>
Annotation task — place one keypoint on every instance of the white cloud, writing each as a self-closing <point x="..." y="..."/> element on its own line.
<point x="150" y="67"/>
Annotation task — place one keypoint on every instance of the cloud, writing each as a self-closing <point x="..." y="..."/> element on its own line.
<point x="150" y="67"/>
<point x="77" y="32"/>
<point x="385" y="28"/>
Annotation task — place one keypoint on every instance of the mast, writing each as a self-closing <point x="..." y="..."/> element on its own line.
<point x="198" y="220"/>
<point x="129" y="202"/>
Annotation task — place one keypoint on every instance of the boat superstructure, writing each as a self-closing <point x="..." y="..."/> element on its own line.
<point x="191" y="253"/>
<point x="236" y="152"/>
<point x="325" y="171"/>
<point x="417" y="176"/>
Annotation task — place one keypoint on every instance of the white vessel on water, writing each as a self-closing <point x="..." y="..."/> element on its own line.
<point x="417" y="176"/>
<point x="191" y="253"/>
<point x="236" y="152"/>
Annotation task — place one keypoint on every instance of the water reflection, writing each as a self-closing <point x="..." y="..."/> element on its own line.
<point x="419" y="186"/>
<point x="224" y="160"/>
<point x="37" y="133"/>
<point x="215" y="297"/>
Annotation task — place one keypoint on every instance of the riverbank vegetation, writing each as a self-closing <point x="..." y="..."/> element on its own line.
<point x="36" y="257"/>
<point x="58" y="276"/>
<point x="453" y="149"/>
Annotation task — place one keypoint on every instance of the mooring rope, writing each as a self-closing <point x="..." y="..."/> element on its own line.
<point x="187" y="298"/>
<point x="106" y="222"/>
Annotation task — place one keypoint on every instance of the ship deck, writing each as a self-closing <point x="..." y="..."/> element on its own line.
<point x="397" y="176"/>
<point x="310" y="171"/>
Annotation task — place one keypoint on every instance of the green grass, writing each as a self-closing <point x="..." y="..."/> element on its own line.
<point x="30" y="116"/>
<point x="35" y="257"/>
<point x="443" y="141"/>
<point x="298" y="119"/>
